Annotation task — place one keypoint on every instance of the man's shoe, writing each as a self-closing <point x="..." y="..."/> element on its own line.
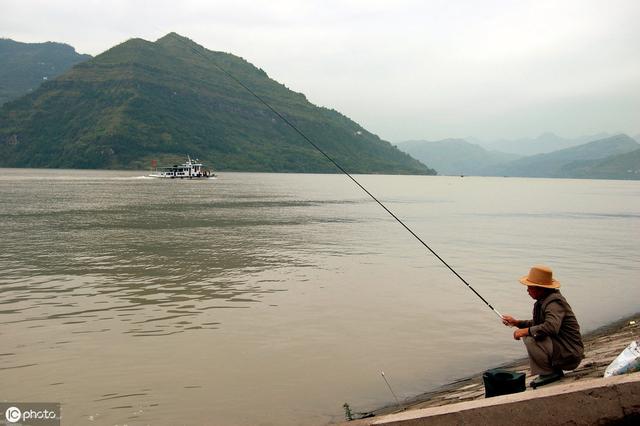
<point x="545" y="379"/>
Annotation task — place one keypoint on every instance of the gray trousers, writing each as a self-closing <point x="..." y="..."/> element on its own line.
<point x="540" y="353"/>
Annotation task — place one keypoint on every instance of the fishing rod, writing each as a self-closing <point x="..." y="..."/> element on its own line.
<point x="392" y="392"/>
<point x="339" y="167"/>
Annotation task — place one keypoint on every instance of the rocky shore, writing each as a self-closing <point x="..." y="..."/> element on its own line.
<point x="601" y="347"/>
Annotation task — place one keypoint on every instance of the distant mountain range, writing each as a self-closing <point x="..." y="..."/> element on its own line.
<point x="546" y="142"/>
<point x="455" y="156"/>
<point x="24" y="66"/>
<point x="614" y="157"/>
<point x="568" y="162"/>
<point x="161" y="100"/>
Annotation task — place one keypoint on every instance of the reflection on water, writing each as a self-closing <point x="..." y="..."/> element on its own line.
<point x="183" y="247"/>
<point x="276" y="298"/>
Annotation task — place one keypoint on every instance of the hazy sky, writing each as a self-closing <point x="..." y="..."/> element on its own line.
<point x="402" y="69"/>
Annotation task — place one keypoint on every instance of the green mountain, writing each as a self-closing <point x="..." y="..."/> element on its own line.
<point x="553" y="164"/>
<point x="162" y="100"/>
<point x="454" y="156"/>
<point x="621" y="166"/>
<point x="24" y="66"/>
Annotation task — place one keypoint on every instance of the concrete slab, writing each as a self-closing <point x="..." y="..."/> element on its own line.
<point x="614" y="400"/>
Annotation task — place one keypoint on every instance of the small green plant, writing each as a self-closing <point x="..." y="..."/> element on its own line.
<point x="347" y="412"/>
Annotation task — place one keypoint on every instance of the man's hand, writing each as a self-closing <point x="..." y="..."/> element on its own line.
<point x="520" y="333"/>
<point x="509" y="321"/>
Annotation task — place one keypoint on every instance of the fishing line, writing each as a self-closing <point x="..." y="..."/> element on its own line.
<point x="339" y="167"/>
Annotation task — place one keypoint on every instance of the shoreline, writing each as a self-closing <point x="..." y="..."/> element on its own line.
<point x="601" y="345"/>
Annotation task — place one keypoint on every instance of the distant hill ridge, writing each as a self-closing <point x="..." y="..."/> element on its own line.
<point x="621" y="166"/>
<point x="24" y="66"/>
<point x="541" y="144"/>
<point x="556" y="164"/>
<point x="614" y="157"/>
<point x="145" y="100"/>
<point x="454" y="156"/>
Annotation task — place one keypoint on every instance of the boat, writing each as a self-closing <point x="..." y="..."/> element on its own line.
<point x="192" y="169"/>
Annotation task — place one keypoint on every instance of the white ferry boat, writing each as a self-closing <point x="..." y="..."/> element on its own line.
<point x="192" y="169"/>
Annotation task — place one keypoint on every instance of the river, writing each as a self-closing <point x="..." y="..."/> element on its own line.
<point x="272" y="299"/>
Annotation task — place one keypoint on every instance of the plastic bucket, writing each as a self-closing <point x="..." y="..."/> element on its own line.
<point x="502" y="382"/>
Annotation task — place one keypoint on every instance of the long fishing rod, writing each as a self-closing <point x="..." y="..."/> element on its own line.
<point x="339" y="167"/>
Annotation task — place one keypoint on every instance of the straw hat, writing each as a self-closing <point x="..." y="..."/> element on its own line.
<point x="540" y="276"/>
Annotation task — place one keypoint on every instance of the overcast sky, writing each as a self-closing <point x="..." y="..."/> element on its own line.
<point x="402" y="69"/>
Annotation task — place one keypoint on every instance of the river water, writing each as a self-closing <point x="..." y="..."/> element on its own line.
<point x="272" y="299"/>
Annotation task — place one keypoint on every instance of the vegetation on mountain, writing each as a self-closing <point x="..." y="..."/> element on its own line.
<point x="454" y="156"/>
<point x="621" y="166"/>
<point x="162" y="100"/>
<point x="24" y="66"/>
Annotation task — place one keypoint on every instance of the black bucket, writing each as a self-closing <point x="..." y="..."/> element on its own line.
<point x="502" y="382"/>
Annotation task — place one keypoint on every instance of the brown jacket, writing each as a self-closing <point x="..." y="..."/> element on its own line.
<point x="553" y="317"/>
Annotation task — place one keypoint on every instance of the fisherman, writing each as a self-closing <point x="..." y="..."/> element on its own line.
<point x="552" y="337"/>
